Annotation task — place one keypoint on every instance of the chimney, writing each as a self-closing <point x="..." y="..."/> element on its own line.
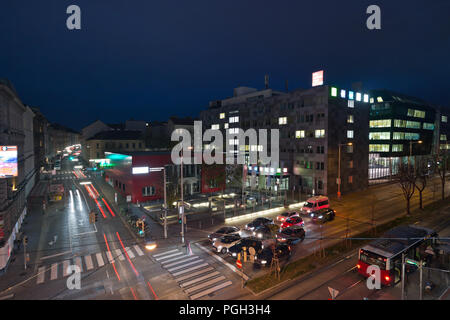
<point x="266" y="81"/>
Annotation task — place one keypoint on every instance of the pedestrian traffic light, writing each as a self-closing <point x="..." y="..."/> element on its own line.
<point x="25" y="240"/>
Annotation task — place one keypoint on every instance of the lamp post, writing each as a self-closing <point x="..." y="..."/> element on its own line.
<point x="410" y="151"/>
<point x="339" y="167"/>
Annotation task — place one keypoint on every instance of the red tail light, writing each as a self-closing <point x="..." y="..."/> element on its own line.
<point x="387" y="278"/>
<point x="358" y="266"/>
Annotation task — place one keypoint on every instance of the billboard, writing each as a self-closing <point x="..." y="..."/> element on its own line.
<point x="317" y="78"/>
<point x="8" y="161"/>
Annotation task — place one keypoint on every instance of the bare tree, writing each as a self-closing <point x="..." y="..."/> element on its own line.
<point x="421" y="180"/>
<point x="441" y="166"/>
<point x="407" y="181"/>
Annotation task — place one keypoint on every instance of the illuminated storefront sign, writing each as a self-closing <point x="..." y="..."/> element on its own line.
<point x="317" y="78"/>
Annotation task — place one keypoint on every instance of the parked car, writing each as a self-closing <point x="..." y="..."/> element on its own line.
<point x="314" y="204"/>
<point x="291" y="235"/>
<point x="293" y="221"/>
<point x="266" y="231"/>
<point x="323" y="215"/>
<point x="264" y="258"/>
<point x="248" y="243"/>
<point x="258" y="222"/>
<point x="286" y="215"/>
<point x="223" y="231"/>
<point x="222" y="244"/>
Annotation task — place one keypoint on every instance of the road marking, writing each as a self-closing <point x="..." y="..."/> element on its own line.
<point x="130" y="253"/>
<point x="187" y="264"/>
<point x="163" y="253"/>
<point x="65" y="268"/>
<point x="194" y="274"/>
<point x="204" y="284"/>
<point x="181" y="261"/>
<point x="109" y="255"/>
<point x="55" y="255"/>
<point x="100" y="261"/>
<point x="209" y="275"/>
<point x="169" y="256"/>
<point x="41" y="275"/>
<point x="138" y="250"/>
<point x="88" y="262"/>
<point x="9" y="296"/>
<point x="78" y="263"/>
<point x="210" y="290"/>
<point x="223" y="261"/>
<point x="190" y="269"/>
<point x="120" y="255"/>
<point x="54" y="271"/>
<point x="174" y="259"/>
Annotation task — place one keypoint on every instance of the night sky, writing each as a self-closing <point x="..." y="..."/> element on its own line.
<point x="150" y="60"/>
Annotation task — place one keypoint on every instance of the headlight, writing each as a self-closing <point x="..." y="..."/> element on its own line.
<point x="320" y="217"/>
<point x="263" y="261"/>
<point x="234" y="254"/>
<point x="259" y="235"/>
<point x="219" y="248"/>
<point x="214" y="239"/>
<point x="312" y="215"/>
<point x="254" y="233"/>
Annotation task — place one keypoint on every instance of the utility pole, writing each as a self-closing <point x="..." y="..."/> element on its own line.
<point x="182" y="200"/>
<point x="165" y="204"/>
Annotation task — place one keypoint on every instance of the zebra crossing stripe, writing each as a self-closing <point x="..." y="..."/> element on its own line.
<point x="129" y="252"/>
<point x="190" y="269"/>
<point x="54" y="271"/>
<point x="78" y="263"/>
<point x="210" y="290"/>
<point x="181" y="261"/>
<point x="180" y="279"/>
<point x="174" y="259"/>
<point x="138" y="250"/>
<point x="120" y="255"/>
<point x="169" y="256"/>
<point x="41" y="275"/>
<point x="209" y="275"/>
<point x="109" y="255"/>
<point x="88" y="262"/>
<point x="100" y="261"/>
<point x="204" y="284"/>
<point x="164" y="253"/>
<point x="65" y="268"/>
<point x="185" y="265"/>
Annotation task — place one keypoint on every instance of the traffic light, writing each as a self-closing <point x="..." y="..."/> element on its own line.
<point x="25" y="240"/>
<point x="96" y="217"/>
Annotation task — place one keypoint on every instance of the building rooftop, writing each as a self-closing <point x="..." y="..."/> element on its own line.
<point x="118" y="135"/>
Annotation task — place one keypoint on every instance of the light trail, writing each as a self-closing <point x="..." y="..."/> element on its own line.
<point x="114" y="265"/>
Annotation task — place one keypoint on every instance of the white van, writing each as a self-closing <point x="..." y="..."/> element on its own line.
<point x="314" y="204"/>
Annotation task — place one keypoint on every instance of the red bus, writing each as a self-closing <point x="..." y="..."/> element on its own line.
<point x="386" y="252"/>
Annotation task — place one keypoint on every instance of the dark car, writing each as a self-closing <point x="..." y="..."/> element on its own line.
<point x="285" y="215"/>
<point x="323" y="215"/>
<point x="264" y="258"/>
<point x="222" y="232"/>
<point x="267" y="231"/>
<point x="247" y="243"/>
<point x="293" y="221"/>
<point x="291" y="235"/>
<point x="258" y="222"/>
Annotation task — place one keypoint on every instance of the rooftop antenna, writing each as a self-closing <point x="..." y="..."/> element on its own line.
<point x="266" y="81"/>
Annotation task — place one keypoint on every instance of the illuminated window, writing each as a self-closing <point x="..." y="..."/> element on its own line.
<point x="233" y="142"/>
<point x="428" y="126"/>
<point x="385" y="123"/>
<point x="350" y="134"/>
<point x="226" y="125"/>
<point x="378" y="148"/>
<point x="351" y="103"/>
<point x="343" y="94"/>
<point x="222" y="116"/>
<point x="299" y="134"/>
<point x="413" y="124"/>
<point x="320" y="133"/>
<point x="372" y="100"/>
<point x="350" y="118"/>
<point x="379" y="99"/>
<point x="443" y="137"/>
<point x="379" y="136"/>
<point x="234" y="119"/>
<point x="333" y="91"/>
<point x="351" y="95"/>
<point x="233" y="130"/>
<point x="397" y="148"/>
<point x="416" y="113"/>
<point x="282" y="120"/>
<point x="358" y="96"/>
<point x="215" y="127"/>
<point x="444" y="118"/>
<point x="405" y="136"/>
<point x="366" y="98"/>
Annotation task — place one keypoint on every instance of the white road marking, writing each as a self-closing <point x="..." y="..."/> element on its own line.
<point x="187" y="264"/>
<point x="130" y="253"/>
<point x="169" y="256"/>
<point x="204" y="284"/>
<point x="54" y="271"/>
<point x="65" y="267"/>
<point x="164" y="253"/>
<point x="190" y="269"/>
<point x="55" y="255"/>
<point x="209" y="275"/>
<point x="138" y="250"/>
<point x="174" y="259"/>
<point x="109" y="255"/>
<point x="78" y="263"/>
<point x="210" y="290"/>
<point x="120" y="255"/>
<point x="180" y="279"/>
<point x="181" y="261"/>
<point x="41" y="275"/>
<point x="100" y="261"/>
<point x="88" y="262"/>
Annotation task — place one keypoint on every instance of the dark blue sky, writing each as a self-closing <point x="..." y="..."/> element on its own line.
<point x="153" y="59"/>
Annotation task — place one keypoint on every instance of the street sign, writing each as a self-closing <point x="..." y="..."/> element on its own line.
<point x="411" y="261"/>
<point x="333" y="293"/>
<point x="239" y="264"/>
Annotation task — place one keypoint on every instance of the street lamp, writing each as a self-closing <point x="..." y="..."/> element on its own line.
<point x="339" y="167"/>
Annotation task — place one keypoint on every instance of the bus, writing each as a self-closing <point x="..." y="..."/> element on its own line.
<point x="386" y="252"/>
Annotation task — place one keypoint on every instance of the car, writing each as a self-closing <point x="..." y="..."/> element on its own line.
<point x="266" y="231"/>
<point x="293" y="221"/>
<point x="323" y="215"/>
<point x="265" y="257"/>
<point x="223" y="231"/>
<point x="291" y="235"/>
<point x="261" y="221"/>
<point x="247" y="243"/>
<point x="314" y="204"/>
<point x="285" y="215"/>
<point x="223" y="243"/>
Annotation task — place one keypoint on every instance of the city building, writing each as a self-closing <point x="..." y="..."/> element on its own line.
<point x="316" y="126"/>
<point x="61" y="137"/>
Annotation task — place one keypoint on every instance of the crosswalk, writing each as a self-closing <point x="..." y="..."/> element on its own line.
<point x="194" y="275"/>
<point x="85" y="263"/>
